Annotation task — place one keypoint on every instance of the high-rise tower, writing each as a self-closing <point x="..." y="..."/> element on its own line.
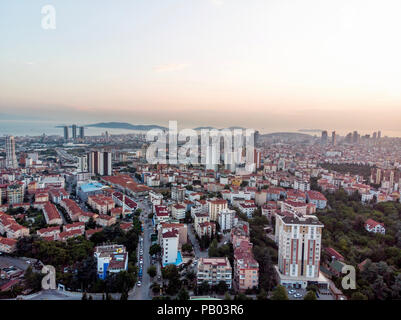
<point x="11" y="158"/>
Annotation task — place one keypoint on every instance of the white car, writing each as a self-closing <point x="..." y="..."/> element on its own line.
<point x="139" y="283"/>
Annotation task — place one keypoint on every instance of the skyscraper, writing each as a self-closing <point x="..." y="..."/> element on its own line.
<point x="99" y="163"/>
<point x="379" y="134"/>
<point x="324" y="137"/>
<point x="11" y="158"/>
<point x="74" y="131"/>
<point x="333" y="138"/>
<point x="355" y="137"/>
<point x="82" y="132"/>
<point x="66" y="133"/>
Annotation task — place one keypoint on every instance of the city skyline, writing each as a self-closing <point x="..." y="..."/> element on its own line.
<point x="261" y="64"/>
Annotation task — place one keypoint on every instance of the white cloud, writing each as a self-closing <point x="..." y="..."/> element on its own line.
<point x="170" y="67"/>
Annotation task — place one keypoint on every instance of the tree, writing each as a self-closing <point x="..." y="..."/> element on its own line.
<point x="358" y="296"/>
<point x="183" y="294"/>
<point x="227" y="296"/>
<point x="187" y="247"/>
<point x="204" y="288"/>
<point x="155" y="287"/>
<point x="155" y="249"/>
<point x="170" y="272"/>
<point x="221" y="287"/>
<point x="242" y="297"/>
<point x="213" y="251"/>
<point x="33" y="280"/>
<point x="262" y="295"/>
<point x="279" y="293"/>
<point x="310" y="295"/>
<point x="91" y="224"/>
<point x="124" y="296"/>
<point x="152" y="271"/>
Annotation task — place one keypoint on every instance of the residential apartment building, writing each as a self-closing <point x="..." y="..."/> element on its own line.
<point x="15" y="193"/>
<point x="52" y="216"/>
<point x="214" y="270"/>
<point x="246" y="268"/>
<point x="169" y="244"/>
<point x="110" y="259"/>
<point x="215" y="206"/>
<point x="101" y="203"/>
<point x="226" y="219"/>
<point x="299" y="247"/>
<point x="178" y="211"/>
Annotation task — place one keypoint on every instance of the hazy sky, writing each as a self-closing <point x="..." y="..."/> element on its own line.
<point x="266" y="64"/>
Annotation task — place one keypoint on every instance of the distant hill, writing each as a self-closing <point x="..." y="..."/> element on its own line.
<point x="210" y="128"/>
<point x="203" y="128"/>
<point x="286" y="135"/>
<point x="125" y="125"/>
<point x="311" y="130"/>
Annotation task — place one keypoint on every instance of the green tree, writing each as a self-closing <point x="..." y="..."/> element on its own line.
<point x="204" y="288"/>
<point x="262" y="295"/>
<point x="152" y="271"/>
<point x="155" y="249"/>
<point x="279" y="293"/>
<point x="221" y="287"/>
<point x="310" y="295"/>
<point x="358" y="296"/>
<point x="187" y="247"/>
<point x="183" y="294"/>
<point x="227" y="296"/>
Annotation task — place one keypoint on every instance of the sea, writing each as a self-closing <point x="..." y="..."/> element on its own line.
<point x="19" y="128"/>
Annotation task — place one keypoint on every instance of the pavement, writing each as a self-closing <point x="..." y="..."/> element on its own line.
<point x="143" y="292"/>
<point x="195" y="244"/>
<point x="20" y="263"/>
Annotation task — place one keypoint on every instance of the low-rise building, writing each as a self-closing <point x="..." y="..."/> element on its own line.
<point x="214" y="270"/>
<point x="7" y="245"/>
<point x="52" y="216"/>
<point x="110" y="259"/>
<point x="374" y="226"/>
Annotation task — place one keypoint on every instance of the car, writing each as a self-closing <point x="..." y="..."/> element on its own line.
<point x="291" y="291"/>
<point x="297" y="295"/>
<point x="139" y="283"/>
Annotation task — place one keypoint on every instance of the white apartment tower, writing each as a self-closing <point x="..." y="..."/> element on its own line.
<point x="299" y="245"/>
<point x="11" y="158"/>
<point x="226" y="219"/>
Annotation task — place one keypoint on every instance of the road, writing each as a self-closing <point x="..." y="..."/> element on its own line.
<point x="195" y="244"/>
<point x="143" y="292"/>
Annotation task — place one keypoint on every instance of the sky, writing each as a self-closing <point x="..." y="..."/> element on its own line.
<point x="266" y="64"/>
